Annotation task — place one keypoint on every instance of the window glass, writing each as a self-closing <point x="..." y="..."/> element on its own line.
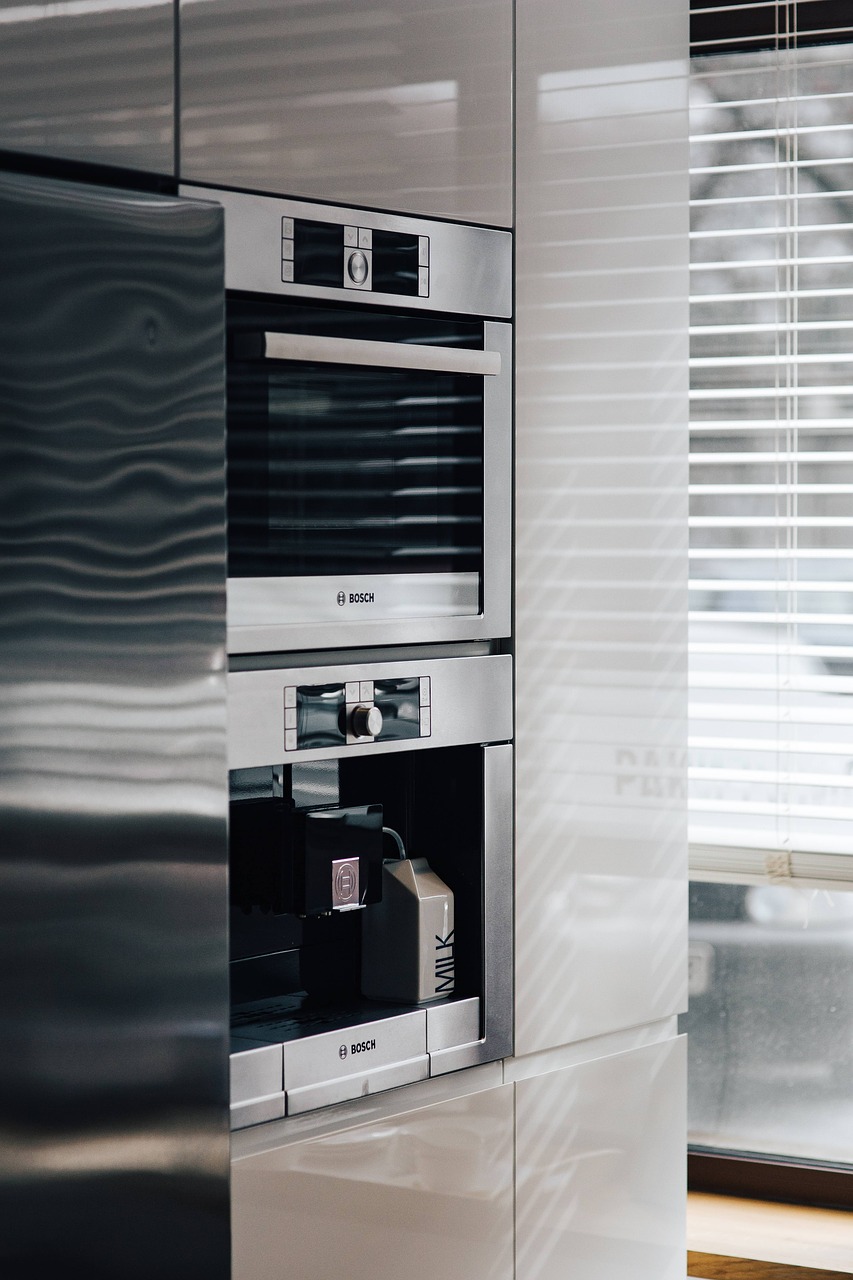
<point x="770" y="1026"/>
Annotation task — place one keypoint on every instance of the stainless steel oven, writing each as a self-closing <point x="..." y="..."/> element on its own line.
<point x="369" y="427"/>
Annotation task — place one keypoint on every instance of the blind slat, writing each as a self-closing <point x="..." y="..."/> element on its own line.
<point x="771" y="523"/>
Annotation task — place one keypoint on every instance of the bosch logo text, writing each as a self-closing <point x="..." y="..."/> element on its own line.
<point x="356" y="597"/>
<point x="363" y="1046"/>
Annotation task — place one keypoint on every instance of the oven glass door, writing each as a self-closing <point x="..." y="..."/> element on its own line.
<point x="355" y="456"/>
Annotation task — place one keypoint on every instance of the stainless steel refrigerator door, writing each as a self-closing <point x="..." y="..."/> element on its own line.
<point x="113" y="786"/>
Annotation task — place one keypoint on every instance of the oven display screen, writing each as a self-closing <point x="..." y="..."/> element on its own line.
<point x="314" y="253"/>
<point x="318" y="253"/>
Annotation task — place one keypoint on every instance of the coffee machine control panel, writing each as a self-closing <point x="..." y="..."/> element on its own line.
<point x="345" y="713"/>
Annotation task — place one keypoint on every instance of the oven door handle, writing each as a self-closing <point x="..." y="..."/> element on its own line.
<point x="383" y="355"/>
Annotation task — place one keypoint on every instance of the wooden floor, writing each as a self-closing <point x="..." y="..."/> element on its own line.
<point x="712" y="1267"/>
<point x="733" y="1239"/>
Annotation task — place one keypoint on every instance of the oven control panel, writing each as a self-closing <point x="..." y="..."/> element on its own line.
<point x="356" y="712"/>
<point x="354" y="257"/>
<point x="301" y="249"/>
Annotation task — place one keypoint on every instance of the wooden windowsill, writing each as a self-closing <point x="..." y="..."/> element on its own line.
<point x="733" y="1239"/>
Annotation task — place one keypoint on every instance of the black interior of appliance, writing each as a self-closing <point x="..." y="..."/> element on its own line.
<point x="305" y="971"/>
<point x="335" y="468"/>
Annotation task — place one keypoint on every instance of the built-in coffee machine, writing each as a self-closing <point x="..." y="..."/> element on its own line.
<point x="371" y="874"/>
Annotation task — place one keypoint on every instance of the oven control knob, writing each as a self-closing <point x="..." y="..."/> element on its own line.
<point x="366" y="722"/>
<point x="357" y="267"/>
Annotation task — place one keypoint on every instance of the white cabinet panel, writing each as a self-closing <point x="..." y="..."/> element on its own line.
<point x="90" y="82"/>
<point x="427" y="1193"/>
<point x="602" y="252"/>
<point x="402" y="106"/>
<point x="601" y="1169"/>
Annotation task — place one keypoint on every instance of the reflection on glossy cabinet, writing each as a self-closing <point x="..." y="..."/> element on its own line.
<point x="601" y="534"/>
<point x="424" y="1194"/>
<point x="601" y="1168"/>
<point x="403" y="105"/>
<point x="89" y="82"/>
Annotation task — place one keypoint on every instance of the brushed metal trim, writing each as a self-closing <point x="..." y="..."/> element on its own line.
<point x="345" y="657"/>
<point x="382" y="355"/>
<point x="498" y="947"/>
<point x="257" y="1111"/>
<point x="262" y="1139"/>
<point x="498" y="841"/>
<point x="451" y="1024"/>
<point x="262" y="602"/>
<point x="332" y="1055"/>
<point x="471" y="702"/>
<point x="345" y="1088"/>
<point x="498" y="489"/>
<point x="470" y="267"/>
<point x="256" y="1072"/>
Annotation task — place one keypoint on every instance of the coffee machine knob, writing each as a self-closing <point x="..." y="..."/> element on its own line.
<point x="366" y="722"/>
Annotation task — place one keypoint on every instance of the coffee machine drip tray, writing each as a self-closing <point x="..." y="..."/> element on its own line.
<point x="288" y="1056"/>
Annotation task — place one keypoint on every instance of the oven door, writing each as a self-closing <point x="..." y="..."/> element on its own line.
<point x="369" y="476"/>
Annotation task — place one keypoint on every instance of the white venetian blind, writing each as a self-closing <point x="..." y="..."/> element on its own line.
<point x="771" y="748"/>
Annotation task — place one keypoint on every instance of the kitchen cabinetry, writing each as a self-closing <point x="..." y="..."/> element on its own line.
<point x="401" y="106"/>
<point x="601" y="531"/>
<point x="601" y="1168"/>
<point x="424" y="1193"/>
<point x="89" y="82"/>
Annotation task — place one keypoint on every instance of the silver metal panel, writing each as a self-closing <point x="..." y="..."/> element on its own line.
<point x="471" y="702"/>
<point x="256" y="1072"/>
<point x="497" y="1039"/>
<point x="498" y="944"/>
<point x="291" y="602"/>
<point x="328" y="1092"/>
<point x="89" y="81"/>
<point x="601" y="533"/>
<point x="381" y="355"/>
<point x="364" y="1110"/>
<point x="113" y="787"/>
<point x="257" y="1111"/>
<point x="456" y="1022"/>
<point x="405" y="106"/>
<point x="292" y="632"/>
<point x="470" y="267"/>
<point x="366" y="1047"/>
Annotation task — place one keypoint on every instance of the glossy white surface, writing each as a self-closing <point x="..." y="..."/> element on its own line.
<point x="89" y="81"/>
<point x="400" y="106"/>
<point x="601" y="1169"/>
<point x="602" y="287"/>
<point x="424" y="1194"/>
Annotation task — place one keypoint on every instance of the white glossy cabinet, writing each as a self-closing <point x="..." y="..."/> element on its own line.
<point x="89" y="82"/>
<point x="404" y="106"/>
<point x="602" y="258"/>
<point x="422" y="1194"/>
<point x="601" y="1168"/>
